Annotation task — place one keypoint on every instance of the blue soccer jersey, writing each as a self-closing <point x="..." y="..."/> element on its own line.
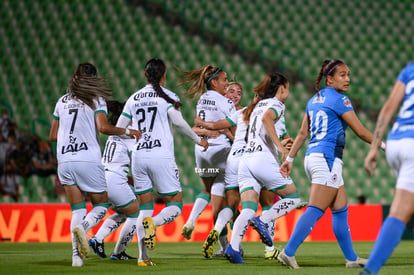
<point x="404" y="124"/>
<point x="327" y="129"/>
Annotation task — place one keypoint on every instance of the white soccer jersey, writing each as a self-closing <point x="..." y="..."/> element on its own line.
<point x="77" y="137"/>
<point x="239" y="142"/>
<point x="149" y="114"/>
<point x="212" y="106"/>
<point x="281" y="127"/>
<point x="258" y="140"/>
<point x="116" y="156"/>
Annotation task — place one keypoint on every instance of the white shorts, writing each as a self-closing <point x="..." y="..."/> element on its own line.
<point x="231" y="175"/>
<point x="401" y="160"/>
<point x="161" y="174"/>
<point x="260" y="170"/>
<point x="120" y="193"/>
<point x="88" y="176"/>
<point x="317" y="170"/>
<point x="212" y="162"/>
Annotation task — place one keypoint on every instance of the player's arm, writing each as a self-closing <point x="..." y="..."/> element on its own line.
<point x="387" y="111"/>
<point x="355" y="124"/>
<point x="106" y="128"/>
<point x="286" y="167"/>
<point x="54" y="130"/>
<point x="268" y="123"/>
<point x="213" y="125"/>
<point x="182" y="126"/>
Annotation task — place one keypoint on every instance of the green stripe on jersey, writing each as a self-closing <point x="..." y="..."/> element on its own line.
<point x="128" y="116"/>
<point x="231" y="121"/>
<point x="277" y="115"/>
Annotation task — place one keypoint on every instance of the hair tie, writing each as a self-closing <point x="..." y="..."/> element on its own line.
<point x="213" y="75"/>
<point x="332" y="69"/>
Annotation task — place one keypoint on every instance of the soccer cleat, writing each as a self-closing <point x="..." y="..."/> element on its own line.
<point x="366" y="271"/>
<point x="149" y="229"/>
<point x="187" y="230"/>
<point x="271" y="255"/>
<point x="77" y="261"/>
<point x="359" y="262"/>
<point x="263" y="230"/>
<point x="121" y="256"/>
<point x="233" y="255"/>
<point x="98" y="247"/>
<point x="209" y="243"/>
<point x="286" y="260"/>
<point x="219" y="254"/>
<point x="80" y="236"/>
<point x="146" y="262"/>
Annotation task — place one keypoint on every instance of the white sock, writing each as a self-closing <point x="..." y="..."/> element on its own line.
<point x="77" y="217"/>
<point x="167" y="215"/>
<point x="142" y="249"/>
<point x="94" y="217"/>
<point x="126" y="235"/>
<point x="240" y="227"/>
<point x="279" y="209"/>
<point x="272" y="226"/>
<point x="223" y="218"/>
<point x="198" y="208"/>
<point x="109" y="226"/>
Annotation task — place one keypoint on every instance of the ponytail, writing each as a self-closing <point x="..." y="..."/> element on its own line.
<point x="267" y="88"/>
<point x="198" y="80"/>
<point x="154" y="70"/>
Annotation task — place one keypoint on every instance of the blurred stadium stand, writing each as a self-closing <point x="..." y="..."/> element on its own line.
<point x="43" y="41"/>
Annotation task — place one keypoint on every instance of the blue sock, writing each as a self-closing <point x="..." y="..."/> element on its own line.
<point x="388" y="238"/>
<point x="302" y="229"/>
<point x="342" y="233"/>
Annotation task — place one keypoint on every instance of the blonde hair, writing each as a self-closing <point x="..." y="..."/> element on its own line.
<point x="86" y="86"/>
<point x="198" y="80"/>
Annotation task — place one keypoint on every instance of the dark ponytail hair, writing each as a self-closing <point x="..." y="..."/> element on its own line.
<point x="114" y="110"/>
<point x="154" y="70"/>
<point x="328" y="68"/>
<point x="266" y="89"/>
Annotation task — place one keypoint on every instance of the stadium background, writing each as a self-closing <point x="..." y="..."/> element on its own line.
<point x="43" y="41"/>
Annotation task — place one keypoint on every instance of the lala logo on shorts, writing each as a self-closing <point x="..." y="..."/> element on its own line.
<point x="334" y="178"/>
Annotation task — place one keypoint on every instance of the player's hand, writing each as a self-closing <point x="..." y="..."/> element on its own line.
<point x="135" y="134"/>
<point x="286" y="168"/>
<point x="198" y="121"/>
<point x="204" y="144"/>
<point x="287" y="143"/>
<point x="370" y="162"/>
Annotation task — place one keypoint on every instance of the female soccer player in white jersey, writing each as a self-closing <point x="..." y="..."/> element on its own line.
<point x="116" y="160"/>
<point x="212" y="105"/>
<point x="400" y="138"/>
<point x="77" y="118"/>
<point x="153" y="109"/>
<point x="261" y="156"/>
<point x="232" y="195"/>
<point x="328" y="113"/>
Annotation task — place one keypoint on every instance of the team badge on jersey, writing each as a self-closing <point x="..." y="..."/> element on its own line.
<point x="347" y="103"/>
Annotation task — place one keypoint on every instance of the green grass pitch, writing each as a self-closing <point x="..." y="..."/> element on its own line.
<point x="317" y="258"/>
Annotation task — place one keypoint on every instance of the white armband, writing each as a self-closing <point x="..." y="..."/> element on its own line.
<point x="127" y="132"/>
<point x="383" y="145"/>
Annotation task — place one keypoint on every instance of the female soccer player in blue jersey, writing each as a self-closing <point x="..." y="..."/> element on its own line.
<point x="328" y="113"/>
<point x="401" y="160"/>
